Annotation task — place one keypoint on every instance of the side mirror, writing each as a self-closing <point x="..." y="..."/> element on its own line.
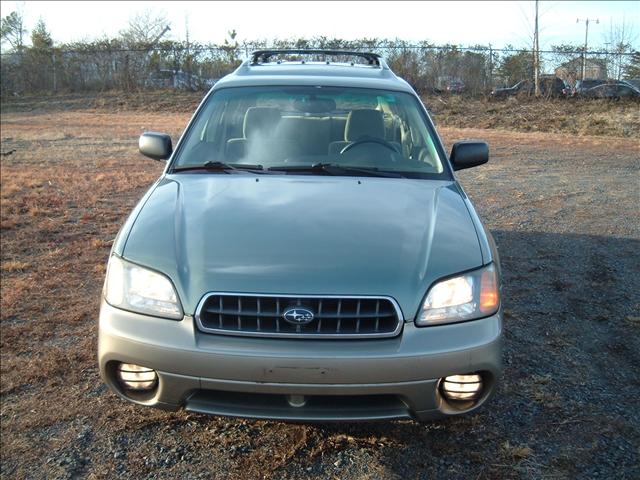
<point x="469" y="153"/>
<point x="155" y="145"/>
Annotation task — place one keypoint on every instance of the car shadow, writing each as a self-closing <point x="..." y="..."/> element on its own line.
<point x="571" y="356"/>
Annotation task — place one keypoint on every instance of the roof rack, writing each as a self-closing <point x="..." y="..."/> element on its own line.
<point x="265" y="55"/>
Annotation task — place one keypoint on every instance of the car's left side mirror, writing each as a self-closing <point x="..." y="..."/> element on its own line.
<point x="469" y="153"/>
<point x="155" y="145"/>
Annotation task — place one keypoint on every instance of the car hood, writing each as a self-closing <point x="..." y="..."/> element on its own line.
<point x="295" y="234"/>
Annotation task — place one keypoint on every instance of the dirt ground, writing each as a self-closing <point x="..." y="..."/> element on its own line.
<point x="564" y="212"/>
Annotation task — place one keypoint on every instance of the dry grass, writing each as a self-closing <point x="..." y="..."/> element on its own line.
<point x="577" y="117"/>
<point x="515" y="452"/>
<point x="58" y="218"/>
<point x="15" y="266"/>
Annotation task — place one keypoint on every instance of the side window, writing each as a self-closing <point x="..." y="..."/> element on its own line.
<point x="624" y="91"/>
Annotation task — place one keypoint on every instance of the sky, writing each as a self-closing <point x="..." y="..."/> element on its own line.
<point x="460" y="23"/>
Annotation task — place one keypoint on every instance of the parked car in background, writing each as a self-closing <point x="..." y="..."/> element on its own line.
<point x="447" y="84"/>
<point x="634" y="82"/>
<point x="613" y="91"/>
<point x="502" y="92"/>
<point x="582" y="86"/>
<point x="549" y="87"/>
<point x="455" y="87"/>
<point x="552" y="86"/>
<point x="166" y="78"/>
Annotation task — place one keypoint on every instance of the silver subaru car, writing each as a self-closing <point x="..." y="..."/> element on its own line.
<point x="306" y="255"/>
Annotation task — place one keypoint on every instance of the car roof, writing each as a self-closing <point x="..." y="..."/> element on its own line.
<point x="592" y="80"/>
<point x="376" y="74"/>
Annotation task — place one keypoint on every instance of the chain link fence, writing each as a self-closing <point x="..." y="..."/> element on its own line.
<point x="428" y="68"/>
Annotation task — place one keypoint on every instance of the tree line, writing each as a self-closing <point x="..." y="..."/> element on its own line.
<point x="142" y="57"/>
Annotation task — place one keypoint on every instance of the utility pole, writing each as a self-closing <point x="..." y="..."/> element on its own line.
<point x="187" y="62"/>
<point x="586" y="37"/>
<point x="490" y="67"/>
<point x="536" y="56"/>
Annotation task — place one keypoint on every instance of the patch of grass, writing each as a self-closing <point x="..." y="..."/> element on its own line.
<point x="575" y="116"/>
<point x="633" y="320"/>
<point x="99" y="243"/>
<point x="15" y="266"/>
<point x="37" y="211"/>
<point x="515" y="452"/>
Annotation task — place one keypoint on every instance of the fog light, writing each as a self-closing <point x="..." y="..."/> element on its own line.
<point x="461" y="387"/>
<point x="135" y="377"/>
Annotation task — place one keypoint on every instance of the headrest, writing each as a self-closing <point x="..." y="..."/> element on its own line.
<point x="260" y="120"/>
<point x="364" y="122"/>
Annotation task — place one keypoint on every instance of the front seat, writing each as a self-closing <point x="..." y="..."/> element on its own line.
<point x="259" y="127"/>
<point x="367" y="122"/>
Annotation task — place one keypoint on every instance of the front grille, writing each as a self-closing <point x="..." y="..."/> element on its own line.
<point x="333" y="317"/>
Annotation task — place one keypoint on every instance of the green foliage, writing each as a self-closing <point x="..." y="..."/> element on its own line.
<point x="38" y="63"/>
<point x="516" y="67"/>
<point x="566" y="49"/>
<point x="40" y="37"/>
<point x="230" y="48"/>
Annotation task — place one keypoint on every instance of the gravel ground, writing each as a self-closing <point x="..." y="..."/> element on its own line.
<point x="564" y="212"/>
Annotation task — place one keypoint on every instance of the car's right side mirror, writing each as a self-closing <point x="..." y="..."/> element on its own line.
<point x="155" y="145"/>
<point x="469" y="153"/>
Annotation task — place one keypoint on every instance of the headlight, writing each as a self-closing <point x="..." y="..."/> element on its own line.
<point x="465" y="297"/>
<point x="141" y="290"/>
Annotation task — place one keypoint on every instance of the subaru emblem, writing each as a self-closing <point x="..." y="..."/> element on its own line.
<point x="298" y="316"/>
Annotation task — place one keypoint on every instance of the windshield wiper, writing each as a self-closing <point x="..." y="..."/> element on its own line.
<point x="222" y="167"/>
<point x="337" y="169"/>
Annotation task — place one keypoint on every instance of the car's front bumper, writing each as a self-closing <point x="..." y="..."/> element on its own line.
<point x="338" y="379"/>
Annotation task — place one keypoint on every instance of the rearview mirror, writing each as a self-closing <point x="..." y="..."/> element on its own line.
<point x="314" y="105"/>
<point x="155" y="145"/>
<point x="469" y="153"/>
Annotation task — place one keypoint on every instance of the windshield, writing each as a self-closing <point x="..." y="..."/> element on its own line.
<point x="289" y="128"/>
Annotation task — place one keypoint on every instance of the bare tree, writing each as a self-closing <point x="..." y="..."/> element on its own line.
<point x="632" y="69"/>
<point x="12" y="30"/>
<point x="144" y="32"/>
<point x="145" y="28"/>
<point x="620" y="41"/>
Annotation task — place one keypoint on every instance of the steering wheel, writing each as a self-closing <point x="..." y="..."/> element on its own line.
<point x="364" y="140"/>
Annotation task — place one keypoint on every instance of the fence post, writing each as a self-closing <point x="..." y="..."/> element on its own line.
<point x="490" y="67"/>
<point x="53" y="64"/>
